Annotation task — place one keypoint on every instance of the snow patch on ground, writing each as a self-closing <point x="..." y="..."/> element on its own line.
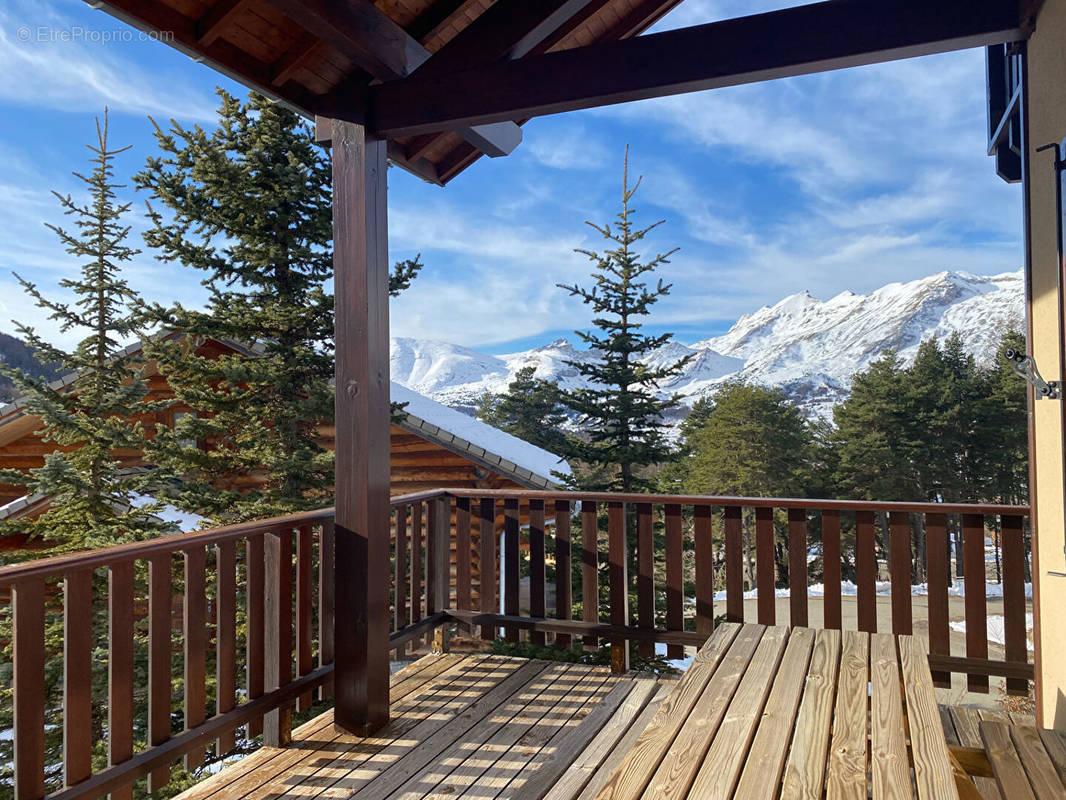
<point x="996" y="630"/>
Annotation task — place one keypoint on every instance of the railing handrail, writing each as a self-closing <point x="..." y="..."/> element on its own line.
<point x="119" y="553"/>
<point x="747" y="502"/>
<point x="52" y="566"/>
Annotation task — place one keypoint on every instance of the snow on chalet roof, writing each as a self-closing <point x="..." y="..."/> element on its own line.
<point x="497" y="449"/>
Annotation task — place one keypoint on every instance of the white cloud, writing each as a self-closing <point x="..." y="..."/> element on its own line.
<point x="53" y="60"/>
<point x="566" y="146"/>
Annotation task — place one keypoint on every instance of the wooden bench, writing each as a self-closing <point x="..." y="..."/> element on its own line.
<point x="770" y="712"/>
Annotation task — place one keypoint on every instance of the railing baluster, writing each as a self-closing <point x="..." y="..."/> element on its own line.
<point x="487" y="564"/>
<point x="618" y="581"/>
<point x="120" y="675"/>
<point x="277" y="609"/>
<point x="160" y="660"/>
<point x="509" y="563"/>
<point x="831" y="569"/>
<point x="304" y="635"/>
<point x="645" y="575"/>
<point x="973" y="555"/>
<point x="326" y="601"/>
<point x="195" y="647"/>
<point x="77" y="676"/>
<point x="704" y="567"/>
<point x="438" y="566"/>
<point x="400" y="580"/>
<point x="899" y="526"/>
<point x="27" y="598"/>
<point x="937" y="569"/>
<point x="765" y="565"/>
<point x="797" y="566"/>
<point x="866" y="571"/>
<point x="416" y="563"/>
<point x="675" y="620"/>
<point x="563" y="572"/>
<point x="734" y="582"/>
<point x="590" y="587"/>
<point x="256" y="620"/>
<point x="225" y="637"/>
<point x="536" y="566"/>
<point x="1016" y="646"/>
<point x="463" y="555"/>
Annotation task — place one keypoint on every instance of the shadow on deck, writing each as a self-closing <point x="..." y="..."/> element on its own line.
<point x="462" y="725"/>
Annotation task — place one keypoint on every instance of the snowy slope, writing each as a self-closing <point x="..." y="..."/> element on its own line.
<point x="810" y="347"/>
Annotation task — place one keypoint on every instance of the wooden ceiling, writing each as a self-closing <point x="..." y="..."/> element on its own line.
<point x="321" y="56"/>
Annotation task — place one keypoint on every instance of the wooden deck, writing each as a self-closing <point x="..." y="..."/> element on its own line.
<point x="463" y="726"/>
<point x="763" y="712"/>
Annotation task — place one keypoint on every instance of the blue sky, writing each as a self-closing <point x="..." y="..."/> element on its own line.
<point x="825" y="183"/>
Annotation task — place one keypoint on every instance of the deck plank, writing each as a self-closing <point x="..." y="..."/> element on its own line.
<point x="1010" y="774"/>
<point x="766" y="758"/>
<point x="397" y="773"/>
<point x="847" y="756"/>
<point x="608" y="738"/>
<point x="482" y="759"/>
<point x="805" y="770"/>
<point x="1038" y="765"/>
<point x="267" y="759"/>
<point x="722" y="767"/>
<point x="671" y="774"/>
<point x="510" y="719"/>
<point x="625" y="743"/>
<point x="889" y="767"/>
<point x="353" y="767"/>
<point x="929" y="751"/>
<point x="541" y="743"/>
<point x="1055" y="745"/>
<point x="966" y="721"/>
<point x="627" y="782"/>
<point x="543" y="773"/>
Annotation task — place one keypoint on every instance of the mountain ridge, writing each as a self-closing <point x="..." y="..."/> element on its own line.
<point x="811" y="348"/>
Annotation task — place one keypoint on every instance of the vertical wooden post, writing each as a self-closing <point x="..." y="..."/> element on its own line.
<point x="361" y="275"/>
<point x="29" y="696"/>
<point x="277" y="724"/>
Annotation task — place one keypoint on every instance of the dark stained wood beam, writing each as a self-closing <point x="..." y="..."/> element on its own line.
<point x="292" y="59"/>
<point x="387" y="52"/>
<point x="434" y="18"/>
<point x="795" y="41"/>
<point x="213" y="23"/>
<point x="361" y="275"/>
<point x="506" y="30"/>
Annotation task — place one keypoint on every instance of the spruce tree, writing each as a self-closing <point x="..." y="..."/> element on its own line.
<point x="620" y="413"/>
<point x="249" y="206"/>
<point x="530" y="410"/>
<point x="94" y="500"/>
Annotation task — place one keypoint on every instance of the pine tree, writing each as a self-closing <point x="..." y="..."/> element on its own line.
<point x="94" y="500"/>
<point x="249" y="205"/>
<point x="530" y="410"/>
<point x="620" y="413"/>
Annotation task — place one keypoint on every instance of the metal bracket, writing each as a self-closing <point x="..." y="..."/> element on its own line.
<point x="1025" y="366"/>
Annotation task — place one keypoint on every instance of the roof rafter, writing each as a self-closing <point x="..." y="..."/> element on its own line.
<point x="387" y="52"/>
<point x="794" y="41"/>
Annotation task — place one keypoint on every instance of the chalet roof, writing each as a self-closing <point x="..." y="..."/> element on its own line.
<point x="320" y="57"/>
<point x="527" y="464"/>
<point x="497" y="450"/>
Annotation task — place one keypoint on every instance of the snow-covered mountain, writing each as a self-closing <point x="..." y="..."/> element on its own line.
<point x="810" y="347"/>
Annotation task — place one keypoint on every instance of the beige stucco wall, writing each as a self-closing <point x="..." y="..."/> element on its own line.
<point x="1047" y="123"/>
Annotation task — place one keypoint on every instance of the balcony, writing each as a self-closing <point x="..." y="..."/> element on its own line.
<point x="181" y="648"/>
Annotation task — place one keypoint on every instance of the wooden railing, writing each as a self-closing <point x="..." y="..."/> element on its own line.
<point x="253" y="605"/>
<point x="671" y="597"/>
